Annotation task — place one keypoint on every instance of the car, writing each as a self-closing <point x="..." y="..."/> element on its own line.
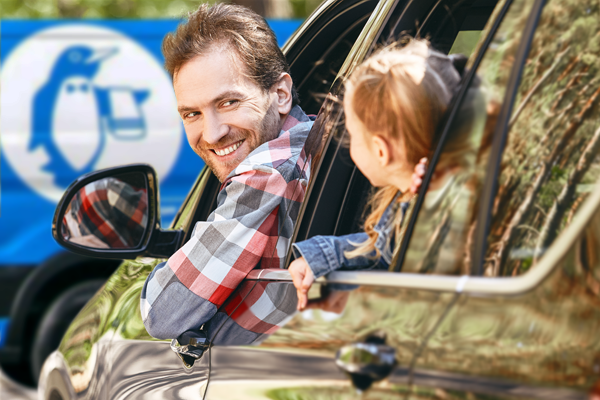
<point x="498" y="297"/>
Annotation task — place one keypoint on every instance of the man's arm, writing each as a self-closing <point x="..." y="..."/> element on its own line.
<point x="186" y="291"/>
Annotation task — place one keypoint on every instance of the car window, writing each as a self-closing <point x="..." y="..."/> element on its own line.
<point x="443" y="233"/>
<point x="324" y="60"/>
<point x="314" y="86"/>
<point x="550" y="162"/>
<point x="340" y="182"/>
<point x="322" y="52"/>
<point x="359" y="189"/>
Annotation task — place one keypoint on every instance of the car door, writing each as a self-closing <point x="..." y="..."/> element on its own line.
<point x="296" y="354"/>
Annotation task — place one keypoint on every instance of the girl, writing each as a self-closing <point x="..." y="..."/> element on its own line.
<point x="393" y="104"/>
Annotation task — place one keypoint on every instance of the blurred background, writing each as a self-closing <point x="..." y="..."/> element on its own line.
<point x="118" y="9"/>
<point x="82" y="88"/>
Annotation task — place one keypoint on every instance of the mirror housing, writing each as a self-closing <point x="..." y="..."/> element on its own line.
<point x="78" y="210"/>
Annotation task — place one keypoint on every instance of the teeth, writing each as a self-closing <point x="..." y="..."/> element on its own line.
<point x="229" y="149"/>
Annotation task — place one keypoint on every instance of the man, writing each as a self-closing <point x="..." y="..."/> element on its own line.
<point x="239" y="108"/>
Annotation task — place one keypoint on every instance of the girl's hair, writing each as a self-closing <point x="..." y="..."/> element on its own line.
<point x="402" y="94"/>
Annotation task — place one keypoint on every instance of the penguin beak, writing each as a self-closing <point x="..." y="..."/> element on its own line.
<point x="101" y="55"/>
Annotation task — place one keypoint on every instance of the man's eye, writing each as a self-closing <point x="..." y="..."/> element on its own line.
<point x="230" y="103"/>
<point x="191" y="115"/>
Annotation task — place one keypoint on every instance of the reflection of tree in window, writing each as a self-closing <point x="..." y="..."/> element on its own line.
<point x="443" y="233"/>
<point x="550" y="160"/>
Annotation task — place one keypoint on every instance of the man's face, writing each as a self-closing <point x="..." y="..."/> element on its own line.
<point x="226" y="115"/>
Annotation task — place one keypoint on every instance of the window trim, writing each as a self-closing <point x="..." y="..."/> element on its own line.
<point x="470" y="285"/>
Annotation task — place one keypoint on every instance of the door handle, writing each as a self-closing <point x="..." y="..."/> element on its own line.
<point x="193" y="350"/>
<point x="366" y="363"/>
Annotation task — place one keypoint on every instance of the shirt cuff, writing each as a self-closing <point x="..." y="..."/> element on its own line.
<point x="319" y="255"/>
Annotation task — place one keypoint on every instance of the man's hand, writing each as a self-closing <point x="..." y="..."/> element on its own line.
<point x="303" y="278"/>
<point x="417" y="176"/>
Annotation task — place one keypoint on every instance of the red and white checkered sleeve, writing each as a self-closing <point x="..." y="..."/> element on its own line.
<point x="240" y="233"/>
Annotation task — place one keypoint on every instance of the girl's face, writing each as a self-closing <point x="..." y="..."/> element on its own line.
<point x="362" y="149"/>
<point x="381" y="161"/>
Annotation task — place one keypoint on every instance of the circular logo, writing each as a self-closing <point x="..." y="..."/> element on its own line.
<point x="77" y="98"/>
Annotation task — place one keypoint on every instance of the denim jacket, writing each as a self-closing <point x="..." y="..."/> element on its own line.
<point x="325" y="254"/>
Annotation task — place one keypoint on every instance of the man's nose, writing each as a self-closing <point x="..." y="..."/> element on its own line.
<point x="214" y="128"/>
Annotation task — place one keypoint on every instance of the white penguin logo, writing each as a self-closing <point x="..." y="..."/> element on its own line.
<point x="80" y="97"/>
<point x="76" y="121"/>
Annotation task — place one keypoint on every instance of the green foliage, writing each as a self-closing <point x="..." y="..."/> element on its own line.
<point x="303" y="8"/>
<point x="331" y="392"/>
<point x="465" y="42"/>
<point x="121" y="8"/>
<point x="556" y="120"/>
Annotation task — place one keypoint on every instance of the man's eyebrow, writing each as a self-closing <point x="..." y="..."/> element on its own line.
<point x="182" y="109"/>
<point x="228" y="94"/>
<point x="225" y="95"/>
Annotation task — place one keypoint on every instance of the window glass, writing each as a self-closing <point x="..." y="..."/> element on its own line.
<point x="550" y="162"/>
<point x="465" y="42"/>
<point x="443" y="231"/>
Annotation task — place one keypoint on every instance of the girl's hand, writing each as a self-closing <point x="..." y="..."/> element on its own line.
<point x="417" y="176"/>
<point x="303" y="278"/>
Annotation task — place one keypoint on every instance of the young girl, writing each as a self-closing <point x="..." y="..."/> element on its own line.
<point x="393" y="103"/>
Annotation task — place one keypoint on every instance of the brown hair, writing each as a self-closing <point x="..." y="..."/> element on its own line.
<point x="401" y="93"/>
<point x="237" y="26"/>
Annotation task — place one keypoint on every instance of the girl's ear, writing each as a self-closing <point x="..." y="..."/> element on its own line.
<point x="283" y="88"/>
<point x="383" y="150"/>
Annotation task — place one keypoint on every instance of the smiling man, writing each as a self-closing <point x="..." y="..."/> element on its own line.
<point x="239" y="108"/>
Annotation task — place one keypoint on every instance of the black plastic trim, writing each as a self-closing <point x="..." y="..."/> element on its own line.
<point x="164" y="243"/>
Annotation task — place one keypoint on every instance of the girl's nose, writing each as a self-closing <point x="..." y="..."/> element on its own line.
<point x="214" y="128"/>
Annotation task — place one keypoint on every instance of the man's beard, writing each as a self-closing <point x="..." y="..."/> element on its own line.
<point x="269" y="130"/>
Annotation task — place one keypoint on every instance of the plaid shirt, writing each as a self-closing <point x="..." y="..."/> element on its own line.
<point x="251" y="226"/>
<point x="254" y="311"/>
<point x="110" y="210"/>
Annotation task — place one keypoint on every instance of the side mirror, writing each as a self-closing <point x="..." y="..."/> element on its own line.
<point x="113" y="213"/>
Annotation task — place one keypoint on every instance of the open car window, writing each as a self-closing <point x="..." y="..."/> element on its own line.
<point x="313" y="69"/>
<point x="451" y="26"/>
<point x="339" y="192"/>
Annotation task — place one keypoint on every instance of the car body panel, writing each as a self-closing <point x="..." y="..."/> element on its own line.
<point x="528" y="343"/>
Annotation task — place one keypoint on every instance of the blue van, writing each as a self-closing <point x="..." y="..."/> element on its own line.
<point x="76" y="96"/>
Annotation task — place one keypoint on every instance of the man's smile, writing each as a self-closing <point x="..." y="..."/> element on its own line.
<point x="229" y="149"/>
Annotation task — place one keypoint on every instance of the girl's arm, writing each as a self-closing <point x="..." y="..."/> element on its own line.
<point x="321" y="255"/>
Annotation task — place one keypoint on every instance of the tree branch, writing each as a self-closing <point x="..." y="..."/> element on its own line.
<point x="537" y="86"/>
<point x="559" y="208"/>
<point x="540" y="179"/>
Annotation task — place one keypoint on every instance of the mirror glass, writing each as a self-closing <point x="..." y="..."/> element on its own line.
<point x="110" y="213"/>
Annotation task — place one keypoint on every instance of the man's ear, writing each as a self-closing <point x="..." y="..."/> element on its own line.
<point x="383" y="150"/>
<point x="283" y="88"/>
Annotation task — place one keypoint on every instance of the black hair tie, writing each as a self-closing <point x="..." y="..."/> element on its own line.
<point x="459" y="61"/>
